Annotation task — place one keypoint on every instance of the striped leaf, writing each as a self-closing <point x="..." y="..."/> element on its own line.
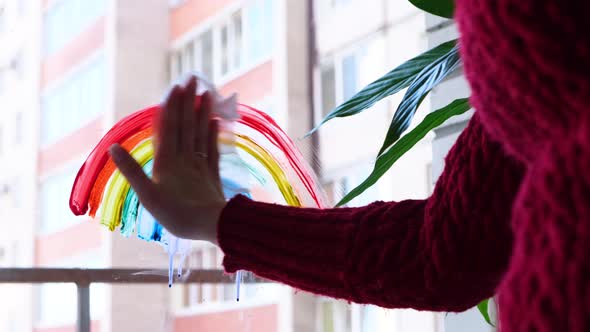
<point x="393" y="153"/>
<point x="422" y="84"/>
<point x="393" y="82"/>
<point x="443" y="8"/>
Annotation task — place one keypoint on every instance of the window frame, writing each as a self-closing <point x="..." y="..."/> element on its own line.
<point x="215" y="26"/>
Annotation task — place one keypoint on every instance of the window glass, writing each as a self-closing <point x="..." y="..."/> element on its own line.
<point x="259" y="26"/>
<point x="65" y="19"/>
<point x="328" y="82"/>
<point x="73" y="103"/>
<point x="57" y="303"/>
<point x="187" y="59"/>
<point x="55" y="193"/>
<point x="224" y="50"/>
<point x="18" y="128"/>
<point x="2" y="17"/>
<point x="238" y="47"/>
<point x="349" y="77"/>
<point x="242" y="39"/>
<point x="206" y="54"/>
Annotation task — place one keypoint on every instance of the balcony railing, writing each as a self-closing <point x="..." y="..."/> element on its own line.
<point x="84" y="277"/>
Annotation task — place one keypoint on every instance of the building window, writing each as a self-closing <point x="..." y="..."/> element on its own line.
<point x="2" y="17"/>
<point x="18" y="128"/>
<point x="3" y="80"/>
<point x="344" y="73"/>
<point x="68" y="18"/>
<point x="239" y="41"/>
<point x="55" y="193"/>
<point x="334" y="315"/>
<point x="328" y="83"/>
<point x="198" y="294"/>
<point x="74" y="103"/>
<point x="57" y="303"/>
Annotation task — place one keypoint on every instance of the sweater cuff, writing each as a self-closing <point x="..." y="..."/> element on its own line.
<point x="302" y="247"/>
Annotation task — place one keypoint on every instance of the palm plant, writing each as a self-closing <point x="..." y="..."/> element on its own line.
<point x="418" y="76"/>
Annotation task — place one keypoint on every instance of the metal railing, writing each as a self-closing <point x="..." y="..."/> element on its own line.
<point x="82" y="278"/>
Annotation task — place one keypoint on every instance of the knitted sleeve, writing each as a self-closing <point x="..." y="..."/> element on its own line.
<point x="444" y="253"/>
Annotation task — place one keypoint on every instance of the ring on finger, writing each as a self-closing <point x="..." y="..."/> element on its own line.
<point x="201" y="155"/>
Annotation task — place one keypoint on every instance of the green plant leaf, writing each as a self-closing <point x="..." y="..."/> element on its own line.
<point x="483" y="309"/>
<point x="423" y="83"/>
<point x="443" y="8"/>
<point x="392" y="154"/>
<point x="393" y="82"/>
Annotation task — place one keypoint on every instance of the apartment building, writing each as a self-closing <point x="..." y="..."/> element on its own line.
<point x="18" y="89"/>
<point x="91" y="62"/>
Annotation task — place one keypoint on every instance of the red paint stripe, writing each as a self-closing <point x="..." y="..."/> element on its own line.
<point x="72" y="146"/>
<point x="74" y="52"/>
<point x="127" y="127"/>
<point x="78" y="238"/>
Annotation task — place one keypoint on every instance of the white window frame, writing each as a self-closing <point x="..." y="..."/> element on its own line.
<point x="335" y="61"/>
<point x="215" y="25"/>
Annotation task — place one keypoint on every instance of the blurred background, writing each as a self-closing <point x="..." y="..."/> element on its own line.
<point x="69" y="69"/>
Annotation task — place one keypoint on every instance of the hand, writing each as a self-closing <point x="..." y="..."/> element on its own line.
<point x="185" y="193"/>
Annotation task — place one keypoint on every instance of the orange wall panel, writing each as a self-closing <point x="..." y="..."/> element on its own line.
<point x="191" y="13"/>
<point x="74" y="52"/>
<point x="71" y="146"/>
<point x="78" y="238"/>
<point x="260" y="319"/>
<point x="252" y="86"/>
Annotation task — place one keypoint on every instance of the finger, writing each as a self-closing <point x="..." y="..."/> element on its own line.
<point x="168" y="126"/>
<point x="203" y="123"/>
<point x="133" y="172"/>
<point x="188" y="120"/>
<point x="213" y="150"/>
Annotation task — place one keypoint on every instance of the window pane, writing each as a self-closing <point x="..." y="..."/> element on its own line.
<point x="238" y="40"/>
<point x="18" y="128"/>
<point x="73" y="103"/>
<point x="188" y="59"/>
<point x="259" y="25"/>
<point x="55" y="193"/>
<point x="224" y="50"/>
<point x="67" y="19"/>
<point x="207" y="54"/>
<point x="349" y="77"/>
<point x="328" y="82"/>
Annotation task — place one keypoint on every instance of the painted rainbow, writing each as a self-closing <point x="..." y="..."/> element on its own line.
<point x="257" y="159"/>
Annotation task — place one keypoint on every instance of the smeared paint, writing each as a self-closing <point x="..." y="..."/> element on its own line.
<point x="273" y="160"/>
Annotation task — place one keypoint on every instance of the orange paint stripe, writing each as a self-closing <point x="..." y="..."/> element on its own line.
<point x="97" y="192"/>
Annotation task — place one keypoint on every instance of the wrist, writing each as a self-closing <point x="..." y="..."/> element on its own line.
<point x="209" y="232"/>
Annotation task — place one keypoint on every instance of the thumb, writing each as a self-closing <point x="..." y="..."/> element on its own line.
<point x="133" y="172"/>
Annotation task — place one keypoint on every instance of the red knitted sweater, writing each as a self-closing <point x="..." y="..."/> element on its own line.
<point x="509" y="215"/>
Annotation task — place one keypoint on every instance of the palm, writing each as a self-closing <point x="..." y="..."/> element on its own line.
<point x="185" y="194"/>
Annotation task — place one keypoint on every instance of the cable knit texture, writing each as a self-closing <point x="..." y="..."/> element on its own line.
<point x="444" y="253"/>
<point x="510" y="213"/>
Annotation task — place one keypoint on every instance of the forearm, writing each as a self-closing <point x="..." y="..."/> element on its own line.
<point x="414" y="253"/>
